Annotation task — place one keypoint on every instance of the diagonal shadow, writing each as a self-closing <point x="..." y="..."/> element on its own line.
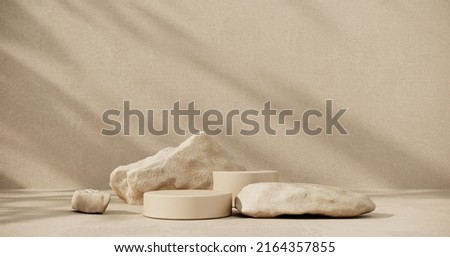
<point x="14" y="16"/>
<point x="379" y="154"/>
<point x="33" y="101"/>
<point x="318" y="18"/>
<point x="19" y="206"/>
<point x="384" y="160"/>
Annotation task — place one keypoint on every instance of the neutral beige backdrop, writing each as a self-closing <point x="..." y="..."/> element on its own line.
<point x="62" y="63"/>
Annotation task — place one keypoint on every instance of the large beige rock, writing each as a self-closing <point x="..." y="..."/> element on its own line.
<point x="188" y="166"/>
<point x="263" y="200"/>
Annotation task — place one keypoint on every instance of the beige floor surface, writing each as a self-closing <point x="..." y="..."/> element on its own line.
<point x="48" y="213"/>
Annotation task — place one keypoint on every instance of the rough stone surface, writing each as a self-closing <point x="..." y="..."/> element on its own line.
<point x="264" y="200"/>
<point x="188" y="166"/>
<point x="90" y="201"/>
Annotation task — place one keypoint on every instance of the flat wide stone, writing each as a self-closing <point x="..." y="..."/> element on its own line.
<point x="265" y="200"/>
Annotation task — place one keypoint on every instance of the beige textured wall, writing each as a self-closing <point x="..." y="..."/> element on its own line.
<point x="62" y="63"/>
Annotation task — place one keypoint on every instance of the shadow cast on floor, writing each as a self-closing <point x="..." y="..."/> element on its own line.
<point x="375" y="215"/>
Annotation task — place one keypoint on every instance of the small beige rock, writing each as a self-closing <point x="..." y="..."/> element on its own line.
<point x="188" y="166"/>
<point x="90" y="201"/>
<point x="265" y="200"/>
